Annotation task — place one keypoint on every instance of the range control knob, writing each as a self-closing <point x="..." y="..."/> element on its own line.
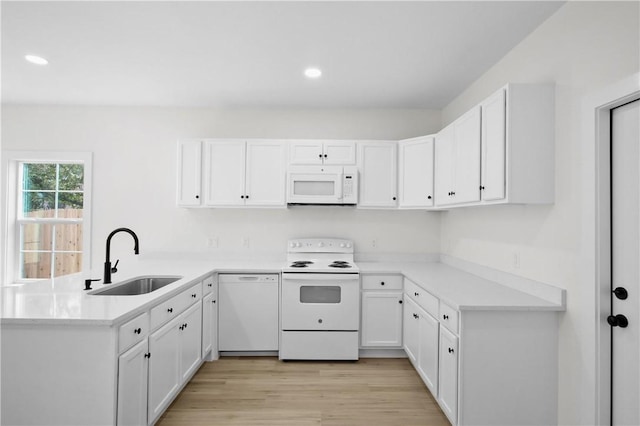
<point x="342" y="245"/>
<point x="320" y="244"/>
<point x="348" y="245"/>
<point x="292" y="244"/>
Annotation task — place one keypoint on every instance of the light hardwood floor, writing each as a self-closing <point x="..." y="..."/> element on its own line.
<point x="265" y="391"/>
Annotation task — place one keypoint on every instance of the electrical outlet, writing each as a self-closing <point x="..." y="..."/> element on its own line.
<point x="374" y="243"/>
<point x="245" y="242"/>
<point x="516" y="260"/>
<point x="212" y="242"/>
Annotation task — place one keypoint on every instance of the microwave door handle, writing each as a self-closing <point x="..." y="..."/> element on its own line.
<point x="340" y="184"/>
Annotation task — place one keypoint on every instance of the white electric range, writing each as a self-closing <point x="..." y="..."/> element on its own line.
<point x="320" y="300"/>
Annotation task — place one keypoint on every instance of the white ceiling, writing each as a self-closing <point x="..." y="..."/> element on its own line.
<point x="252" y="54"/>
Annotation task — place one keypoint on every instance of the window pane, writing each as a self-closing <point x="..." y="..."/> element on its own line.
<point x="35" y="265"/>
<point x="38" y="204"/>
<point x="70" y="204"/>
<point x="68" y="263"/>
<point x="71" y="177"/>
<point x="38" y="176"/>
<point x="36" y="236"/>
<point x="69" y="237"/>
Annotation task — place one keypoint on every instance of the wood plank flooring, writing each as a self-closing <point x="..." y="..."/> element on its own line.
<point x="266" y="391"/>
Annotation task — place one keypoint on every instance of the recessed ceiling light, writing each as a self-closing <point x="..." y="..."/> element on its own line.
<point x="312" y="72"/>
<point x="38" y="60"/>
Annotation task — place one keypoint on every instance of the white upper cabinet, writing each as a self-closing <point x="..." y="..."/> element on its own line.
<point x="493" y="164"/>
<point x="189" y="173"/>
<point x="458" y="161"/>
<point x="265" y="174"/>
<point x="231" y="173"/>
<point x="224" y="170"/>
<point x="415" y="176"/>
<point x="377" y="165"/>
<point x="501" y="151"/>
<point x="322" y="152"/>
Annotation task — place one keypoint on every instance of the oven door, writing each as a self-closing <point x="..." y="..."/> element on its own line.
<point x="314" y="188"/>
<point x="320" y="301"/>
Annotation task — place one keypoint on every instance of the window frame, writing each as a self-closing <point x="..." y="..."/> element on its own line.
<point x="11" y="161"/>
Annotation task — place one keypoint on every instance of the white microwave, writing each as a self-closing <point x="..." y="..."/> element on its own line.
<point x="328" y="185"/>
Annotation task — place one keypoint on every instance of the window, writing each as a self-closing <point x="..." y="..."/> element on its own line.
<point x="49" y="217"/>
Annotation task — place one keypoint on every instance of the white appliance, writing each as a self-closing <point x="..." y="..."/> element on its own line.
<point x="248" y="312"/>
<point x="319" y="298"/>
<point x="329" y="185"/>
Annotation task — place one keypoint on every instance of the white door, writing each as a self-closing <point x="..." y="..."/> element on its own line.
<point x="467" y="157"/>
<point x="339" y="152"/>
<point x="493" y="143"/>
<point x="132" y="386"/>
<point x="189" y="173"/>
<point x="428" y="352"/>
<point x="444" y="165"/>
<point x="164" y="367"/>
<point x="305" y="152"/>
<point x="207" y="323"/>
<point x="625" y="181"/>
<point x="382" y="318"/>
<point x="224" y="173"/>
<point x="410" y="329"/>
<point x="448" y="375"/>
<point x="265" y="174"/>
<point x="191" y="341"/>
<point x="377" y="162"/>
<point x="415" y="184"/>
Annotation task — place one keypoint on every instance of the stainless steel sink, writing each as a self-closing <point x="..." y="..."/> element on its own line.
<point x="139" y="285"/>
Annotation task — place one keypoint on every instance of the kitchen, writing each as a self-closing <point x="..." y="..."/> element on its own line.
<point x="544" y="243"/>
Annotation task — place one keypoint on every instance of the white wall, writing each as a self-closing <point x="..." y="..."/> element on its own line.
<point x="134" y="167"/>
<point x="583" y="47"/>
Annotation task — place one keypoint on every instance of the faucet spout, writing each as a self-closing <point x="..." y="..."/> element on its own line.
<point x="107" y="263"/>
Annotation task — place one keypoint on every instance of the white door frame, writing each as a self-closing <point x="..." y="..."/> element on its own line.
<point x="596" y="250"/>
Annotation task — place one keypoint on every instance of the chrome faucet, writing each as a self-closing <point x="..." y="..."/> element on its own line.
<point x="107" y="264"/>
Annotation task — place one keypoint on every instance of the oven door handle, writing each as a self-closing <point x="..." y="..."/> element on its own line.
<point x="320" y="277"/>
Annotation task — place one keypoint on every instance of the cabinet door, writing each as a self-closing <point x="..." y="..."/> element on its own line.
<point x="494" y="147"/>
<point x="410" y="329"/>
<point x="207" y="323"/>
<point x="224" y="170"/>
<point x="377" y="161"/>
<point x="444" y="165"/>
<point x="189" y="173"/>
<point x="448" y="372"/>
<point x="416" y="173"/>
<point x="467" y="157"/>
<point x="305" y="152"/>
<point x="265" y="174"/>
<point x="339" y="152"/>
<point x="382" y="318"/>
<point x="132" y="385"/>
<point x="164" y="367"/>
<point x="428" y="352"/>
<point x="190" y="341"/>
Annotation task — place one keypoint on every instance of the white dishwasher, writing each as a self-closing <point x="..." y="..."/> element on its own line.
<point x="248" y="312"/>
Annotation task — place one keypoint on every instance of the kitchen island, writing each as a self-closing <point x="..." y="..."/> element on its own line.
<point x="64" y="351"/>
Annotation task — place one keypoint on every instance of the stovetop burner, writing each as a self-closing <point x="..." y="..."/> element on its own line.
<point x="340" y="265"/>
<point x="301" y="263"/>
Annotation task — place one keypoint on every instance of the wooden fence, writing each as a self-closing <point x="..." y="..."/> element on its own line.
<point x="68" y="237"/>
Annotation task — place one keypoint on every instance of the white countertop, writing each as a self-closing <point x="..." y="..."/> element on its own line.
<point x="461" y="290"/>
<point x="63" y="301"/>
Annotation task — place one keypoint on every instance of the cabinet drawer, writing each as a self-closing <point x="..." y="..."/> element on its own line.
<point x="426" y="300"/>
<point x="174" y="306"/>
<point x="448" y="317"/>
<point x="207" y="285"/>
<point x="133" y="332"/>
<point x="382" y="282"/>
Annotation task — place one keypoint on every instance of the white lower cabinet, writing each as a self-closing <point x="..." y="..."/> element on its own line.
<point x="175" y="355"/>
<point x="210" y="325"/>
<point x="448" y="374"/>
<point x="381" y="319"/>
<point x="132" y="385"/>
<point x="427" y="364"/>
<point x="410" y="330"/>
